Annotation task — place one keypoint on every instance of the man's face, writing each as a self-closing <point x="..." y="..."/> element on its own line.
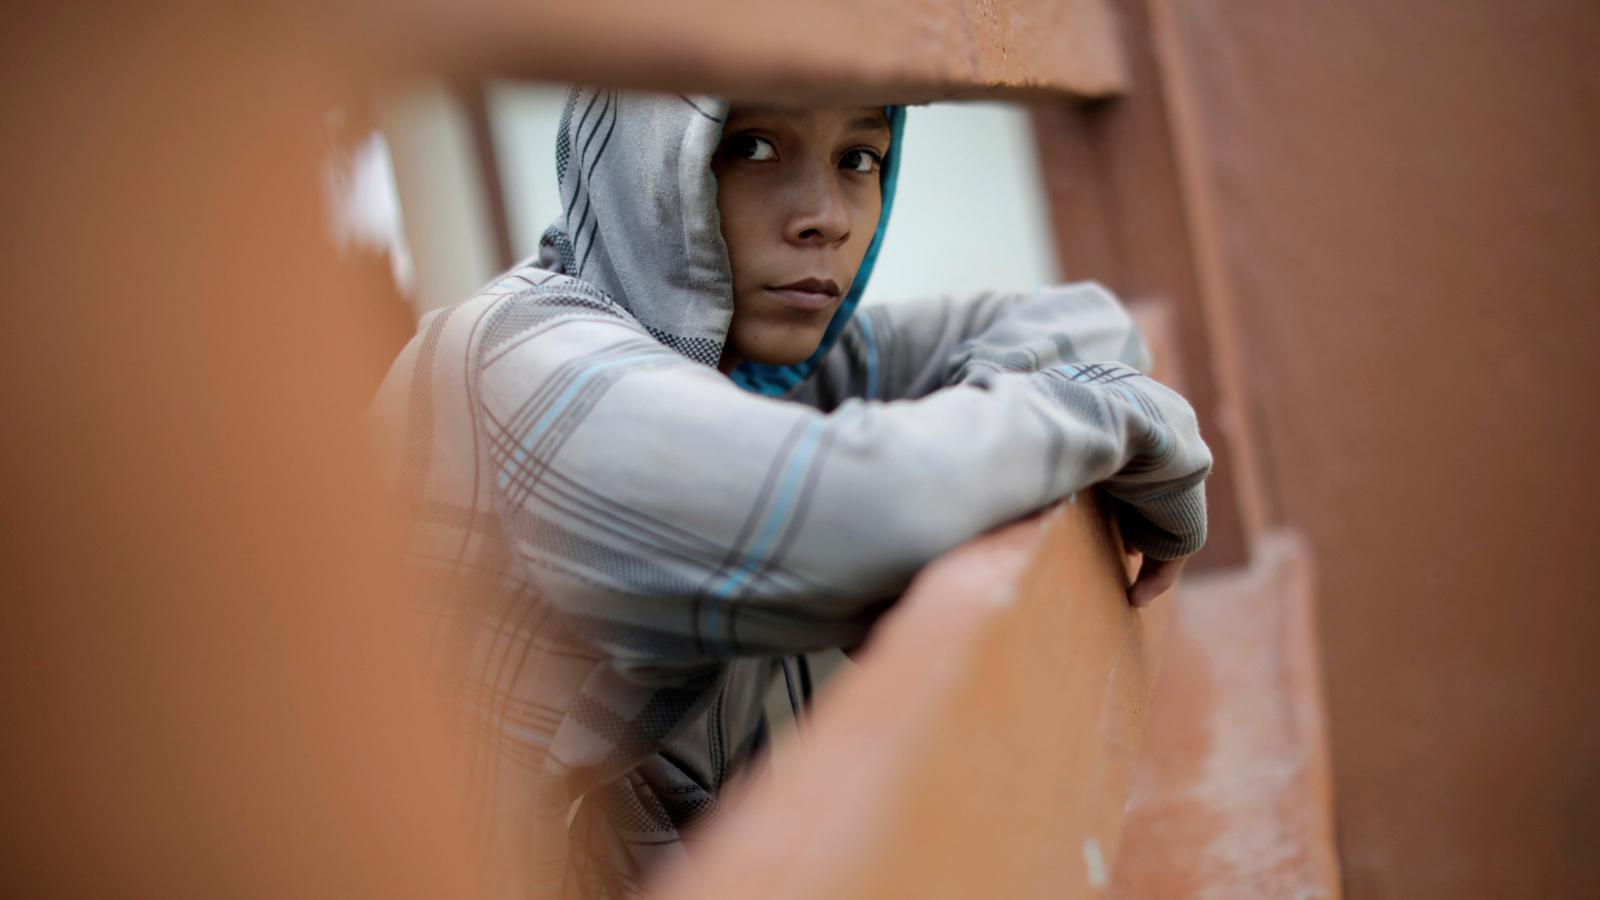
<point x="799" y="194"/>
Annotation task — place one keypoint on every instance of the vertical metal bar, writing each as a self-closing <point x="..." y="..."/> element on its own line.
<point x="475" y="100"/>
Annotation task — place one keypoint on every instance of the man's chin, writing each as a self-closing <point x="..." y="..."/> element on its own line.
<point x="787" y="354"/>
<point x="779" y="342"/>
<point x="778" y="359"/>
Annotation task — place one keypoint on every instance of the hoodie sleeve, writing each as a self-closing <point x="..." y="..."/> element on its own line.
<point x="906" y="350"/>
<point x="670" y="516"/>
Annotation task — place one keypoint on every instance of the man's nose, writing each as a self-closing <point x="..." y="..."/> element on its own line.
<point x="819" y="214"/>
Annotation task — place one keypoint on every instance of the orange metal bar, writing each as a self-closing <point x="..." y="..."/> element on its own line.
<point x="1233" y="795"/>
<point x="982" y="748"/>
<point x="888" y="51"/>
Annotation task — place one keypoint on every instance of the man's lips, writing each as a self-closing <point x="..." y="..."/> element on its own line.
<point x="809" y="293"/>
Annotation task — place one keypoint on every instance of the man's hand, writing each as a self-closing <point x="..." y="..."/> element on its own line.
<point x="1156" y="576"/>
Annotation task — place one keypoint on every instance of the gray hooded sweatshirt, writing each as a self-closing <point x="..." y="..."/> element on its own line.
<point x="617" y="542"/>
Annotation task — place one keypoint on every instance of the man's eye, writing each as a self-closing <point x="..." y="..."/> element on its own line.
<point x="864" y="161"/>
<point x="748" y="146"/>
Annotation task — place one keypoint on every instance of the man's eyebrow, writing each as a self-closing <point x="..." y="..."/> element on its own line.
<point x="756" y="110"/>
<point x="869" y="123"/>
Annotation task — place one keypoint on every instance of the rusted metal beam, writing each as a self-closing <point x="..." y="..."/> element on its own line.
<point x="982" y="748"/>
<point x="204" y="641"/>
<point x="890" y="51"/>
<point x="1127" y="211"/>
<point x="1233" y="794"/>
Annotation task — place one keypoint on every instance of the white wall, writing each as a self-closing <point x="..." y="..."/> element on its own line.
<point x="441" y="195"/>
<point x="969" y="212"/>
<point x="524" y="118"/>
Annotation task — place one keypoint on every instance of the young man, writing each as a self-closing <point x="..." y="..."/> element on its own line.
<point x="673" y="452"/>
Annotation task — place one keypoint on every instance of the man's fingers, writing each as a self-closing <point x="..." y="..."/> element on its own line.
<point x="1156" y="577"/>
<point x="1146" y="589"/>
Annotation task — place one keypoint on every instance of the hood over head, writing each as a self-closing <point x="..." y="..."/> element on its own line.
<point x="640" y="221"/>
